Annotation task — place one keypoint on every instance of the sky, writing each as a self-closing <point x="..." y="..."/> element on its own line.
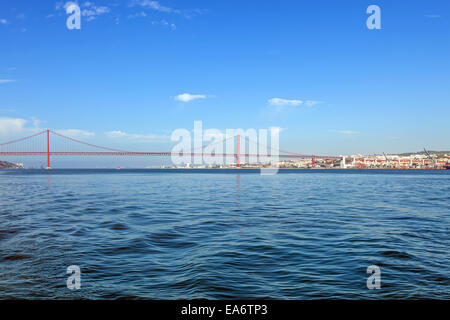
<point x="139" y="69"/>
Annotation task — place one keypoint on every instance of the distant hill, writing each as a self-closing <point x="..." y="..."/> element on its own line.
<point x="7" y="165"/>
<point x="438" y="153"/>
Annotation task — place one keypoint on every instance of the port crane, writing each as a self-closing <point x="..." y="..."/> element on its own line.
<point x="387" y="160"/>
<point x="431" y="157"/>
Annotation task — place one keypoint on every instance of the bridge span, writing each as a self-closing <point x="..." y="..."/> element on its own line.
<point x="39" y="144"/>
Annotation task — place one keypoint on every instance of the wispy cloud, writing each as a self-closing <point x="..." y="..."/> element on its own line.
<point x="6" y="81"/>
<point x="280" y="104"/>
<point x="347" y="132"/>
<point x="165" y="24"/>
<point x="16" y="127"/>
<point x="19" y="127"/>
<point x="284" y="102"/>
<point x="162" y="22"/>
<point x="191" y="13"/>
<point x="76" y="133"/>
<point x="432" y="16"/>
<point x="91" y="11"/>
<point x="187" y="97"/>
<point x="157" y="6"/>
<point x="153" y="5"/>
<point x="11" y="126"/>
<point x="117" y="134"/>
<point x="311" y="103"/>
<point x="141" y="14"/>
<point x="3" y="21"/>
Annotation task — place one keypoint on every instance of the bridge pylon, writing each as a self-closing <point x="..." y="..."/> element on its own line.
<point x="48" y="150"/>
<point x="238" y="151"/>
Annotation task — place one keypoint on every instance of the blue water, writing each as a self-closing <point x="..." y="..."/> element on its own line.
<point x="173" y="234"/>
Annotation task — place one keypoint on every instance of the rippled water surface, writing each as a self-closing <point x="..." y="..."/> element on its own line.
<point x="224" y="234"/>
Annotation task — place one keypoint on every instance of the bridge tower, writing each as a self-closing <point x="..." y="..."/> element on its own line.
<point x="238" y="151"/>
<point x="48" y="149"/>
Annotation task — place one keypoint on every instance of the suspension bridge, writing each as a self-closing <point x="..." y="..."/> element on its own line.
<point x="49" y="143"/>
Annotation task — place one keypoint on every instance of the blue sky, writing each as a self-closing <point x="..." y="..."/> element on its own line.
<point x="312" y="68"/>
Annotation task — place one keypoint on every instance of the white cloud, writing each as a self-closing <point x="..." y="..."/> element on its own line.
<point x="6" y="81"/>
<point x="137" y="15"/>
<point x="187" y="97"/>
<point x="91" y="11"/>
<point x="76" y="133"/>
<point x="347" y="132"/>
<point x="12" y="126"/>
<point x="117" y="134"/>
<point x="18" y="128"/>
<point x="36" y="123"/>
<point x="154" y="5"/>
<point x="311" y="103"/>
<point x="191" y="13"/>
<point x="280" y="105"/>
<point x="284" y="102"/>
<point x="3" y="21"/>
<point x="60" y="5"/>
<point x="164" y="23"/>
<point x="432" y="16"/>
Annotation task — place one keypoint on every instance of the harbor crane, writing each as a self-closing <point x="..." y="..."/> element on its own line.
<point x="387" y="160"/>
<point x="431" y="157"/>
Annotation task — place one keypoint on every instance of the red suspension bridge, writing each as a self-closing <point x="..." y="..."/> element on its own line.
<point x="49" y="143"/>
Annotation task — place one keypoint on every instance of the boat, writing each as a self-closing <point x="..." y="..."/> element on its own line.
<point x="447" y="166"/>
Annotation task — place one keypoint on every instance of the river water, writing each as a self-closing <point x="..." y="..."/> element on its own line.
<point x="224" y="234"/>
